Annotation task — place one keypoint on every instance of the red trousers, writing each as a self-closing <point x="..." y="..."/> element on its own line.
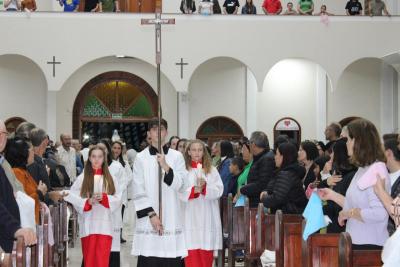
<point x="96" y="250"/>
<point x="199" y="258"/>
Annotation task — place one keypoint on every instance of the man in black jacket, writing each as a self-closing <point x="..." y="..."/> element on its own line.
<point x="262" y="169"/>
<point x="38" y="168"/>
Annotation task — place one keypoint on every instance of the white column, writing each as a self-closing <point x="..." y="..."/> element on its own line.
<point x="183" y="115"/>
<point x="320" y="111"/>
<point x="251" y="102"/>
<point x="51" y="122"/>
<point x="389" y="99"/>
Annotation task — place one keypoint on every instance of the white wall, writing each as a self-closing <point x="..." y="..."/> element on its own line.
<point x="289" y="91"/>
<point x="358" y="92"/>
<point x="217" y="88"/>
<point x="66" y="96"/>
<point x="23" y="90"/>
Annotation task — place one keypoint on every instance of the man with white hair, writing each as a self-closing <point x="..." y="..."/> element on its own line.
<point x="16" y="185"/>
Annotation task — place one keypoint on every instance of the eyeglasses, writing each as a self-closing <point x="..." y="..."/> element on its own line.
<point x="5" y="133"/>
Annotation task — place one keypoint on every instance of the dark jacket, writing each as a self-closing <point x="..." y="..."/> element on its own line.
<point x="394" y="193"/>
<point x="38" y="171"/>
<point x="192" y="8"/>
<point x="310" y="176"/>
<point x="287" y="192"/>
<point x="260" y="175"/>
<point x="226" y="176"/>
<point x="9" y="213"/>
<point x="331" y="209"/>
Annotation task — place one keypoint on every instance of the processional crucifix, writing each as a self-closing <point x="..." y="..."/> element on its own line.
<point x="157" y="22"/>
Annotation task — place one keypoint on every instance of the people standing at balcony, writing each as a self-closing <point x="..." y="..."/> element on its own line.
<point x="12" y="5"/>
<point x="206" y="7"/>
<point x="323" y="12"/>
<point x="109" y="6"/>
<point x="231" y="7"/>
<point x="305" y="7"/>
<point x="187" y="7"/>
<point x="216" y="7"/>
<point x="272" y="7"/>
<point x="28" y="5"/>
<point x="91" y="5"/>
<point x="353" y="8"/>
<point x="249" y="8"/>
<point x="70" y="5"/>
<point x="290" y="10"/>
<point x="378" y="8"/>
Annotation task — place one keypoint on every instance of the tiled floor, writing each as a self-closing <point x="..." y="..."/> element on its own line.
<point x="75" y="254"/>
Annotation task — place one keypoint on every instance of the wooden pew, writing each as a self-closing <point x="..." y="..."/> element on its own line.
<point x="321" y="250"/>
<point x="19" y="253"/>
<point x="360" y="258"/>
<point x="223" y="209"/>
<point x="252" y="258"/>
<point x="236" y="229"/>
<point x="59" y="250"/>
<point x="288" y="239"/>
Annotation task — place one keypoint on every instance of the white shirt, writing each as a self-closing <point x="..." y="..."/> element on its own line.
<point x="393" y="177"/>
<point x="206" y="7"/>
<point x="146" y="241"/>
<point x="85" y="154"/>
<point x="68" y="160"/>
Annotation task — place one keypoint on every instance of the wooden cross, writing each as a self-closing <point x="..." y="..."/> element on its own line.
<point x="181" y="64"/>
<point x="54" y="62"/>
<point x="157" y="22"/>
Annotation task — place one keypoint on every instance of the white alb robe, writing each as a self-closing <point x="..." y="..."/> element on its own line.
<point x="202" y="222"/>
<point x="117" y="171"/>
<point x="146" y="241"/>
<point x="99" y="219"/>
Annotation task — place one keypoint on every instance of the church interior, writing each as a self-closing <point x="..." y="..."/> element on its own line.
<point x="93" y="75"/>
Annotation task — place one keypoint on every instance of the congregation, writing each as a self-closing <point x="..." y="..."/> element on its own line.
<point x="99" y="177"/>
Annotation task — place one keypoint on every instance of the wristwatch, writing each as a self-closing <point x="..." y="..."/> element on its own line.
<point x="152" y="214"/>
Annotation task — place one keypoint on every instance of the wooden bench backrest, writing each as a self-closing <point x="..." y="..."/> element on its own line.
<point x="19" y="252"/>
<point x="265" y="230"/>
<point x="252" y="235"/>
<point x="236" y="224"/>
<point x="360" y="258"/>
<point x="288" y="239"/>
<point x="321" y="250"/>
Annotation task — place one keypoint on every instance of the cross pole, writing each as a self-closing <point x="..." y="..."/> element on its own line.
<point x="157" y="22"/>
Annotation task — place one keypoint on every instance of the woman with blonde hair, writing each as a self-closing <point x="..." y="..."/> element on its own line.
<point x="94" y="197"/>
<point x="202" y="223"/>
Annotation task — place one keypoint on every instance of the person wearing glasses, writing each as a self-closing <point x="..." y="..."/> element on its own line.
<point x="16" y="185"/>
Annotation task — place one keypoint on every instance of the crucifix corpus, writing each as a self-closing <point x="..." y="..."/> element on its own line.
<point x="157" y="22"/>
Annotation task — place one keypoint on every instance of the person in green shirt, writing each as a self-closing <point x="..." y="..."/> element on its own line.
<point x="248" y="158"/>
<point x="109" y="6"/>
<point x="305" y="7"/>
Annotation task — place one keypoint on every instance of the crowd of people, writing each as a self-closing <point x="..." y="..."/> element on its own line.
<point x="274" y="7"/>
<point x="100" y="179"/>
<point x="208" y="7"/>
